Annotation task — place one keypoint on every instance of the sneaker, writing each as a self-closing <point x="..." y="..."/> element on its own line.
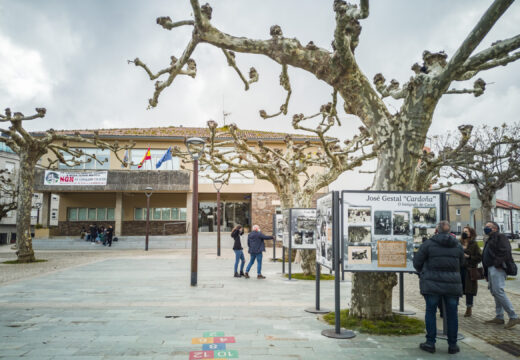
<point x="246" y="275"/>
<point x="242" y="274"/>
<point x="453" y="349"/>
<point x="260" y="276"/>
<point x="495" y="321"/>
<point x="512" y="322"/>
<point x="236" y="275"/>
<point x="426" y="346"/>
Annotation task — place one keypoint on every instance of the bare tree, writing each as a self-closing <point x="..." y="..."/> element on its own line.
<point x="30" y="150"/>
<point x="489" y="160"/>
<point x="399" y="136"/>
<point x="8" y="193"/>
<point x="297" y="172"/>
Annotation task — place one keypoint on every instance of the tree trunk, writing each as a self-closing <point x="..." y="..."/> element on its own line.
<point x="371" y="295"/>
<point x="487" y="212"/>
<point x="25" y="250"/>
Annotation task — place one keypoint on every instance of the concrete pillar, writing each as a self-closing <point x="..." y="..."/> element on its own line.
<point x="189" y="222"/>
<point x="46" y="209"/>
<point x="118" y="214"/>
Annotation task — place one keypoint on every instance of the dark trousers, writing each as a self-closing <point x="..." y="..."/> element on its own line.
<point x="432" y="301"/>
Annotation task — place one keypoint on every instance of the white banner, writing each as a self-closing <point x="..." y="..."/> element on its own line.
<point x="62" y="178"/>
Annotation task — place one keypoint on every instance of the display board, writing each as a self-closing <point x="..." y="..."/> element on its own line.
<point x="303" y="228"/>
<point x="75" y="178"/>
<point x="381" y="229"/>
<point x="278" y="227"/>
<point x="324" y="238"/>
<point x="286" y="237"/>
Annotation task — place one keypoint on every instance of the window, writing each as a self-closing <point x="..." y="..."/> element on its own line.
<point x="459" y="228"/>
<point x="243" y="177"/>
<point x="457" y="211"/>
<point x="111" y="214"/>
<point x="163" y="214"/>
<point x="89" y="163"/>
<point x="136" y="155"/>
<point x="88" y="214"/>
<point x="5" y="148"/>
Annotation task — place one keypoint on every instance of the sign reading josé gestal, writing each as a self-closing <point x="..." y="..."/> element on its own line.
<point x="71" y="178"/>
<point x="381" y="229"/>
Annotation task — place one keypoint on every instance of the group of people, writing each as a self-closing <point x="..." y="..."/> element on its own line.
<point x="449" y="268"/>
<point x="99" y="234"/>
<point x="256" y="246"/>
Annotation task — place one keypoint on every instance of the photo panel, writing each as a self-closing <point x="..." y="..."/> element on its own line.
<point x="359" y="215"/>
<point x="279" y="226"/>
<point x="324" y="231"/>
<point x="360" y="254"/>
<point x="382" y="222"/>
<point x="401" y="223"/>
<point x="422" y="233"/>
<point x="303" y="228"/>
<point x="424" y="216"/>
<point x="359" y="234"/>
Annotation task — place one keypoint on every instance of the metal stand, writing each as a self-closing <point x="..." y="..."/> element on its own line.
<point x="290" y="258"/>
<point x="316" y="309"/>
<point x="337" y="332"/>
<point x="283" y="259"/>
<point x="444" y="333"/>
<point x="401" y="310"/>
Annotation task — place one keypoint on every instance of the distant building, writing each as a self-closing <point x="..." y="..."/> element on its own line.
<point x="506" y="214"/>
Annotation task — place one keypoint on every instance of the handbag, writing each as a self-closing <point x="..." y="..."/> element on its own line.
<point x="476" y="273"/>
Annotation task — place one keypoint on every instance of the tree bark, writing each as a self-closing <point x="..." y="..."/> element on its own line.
<point x="25" y="250"/>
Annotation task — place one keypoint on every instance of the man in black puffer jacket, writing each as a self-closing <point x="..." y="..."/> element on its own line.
<point x="438" y="263"/>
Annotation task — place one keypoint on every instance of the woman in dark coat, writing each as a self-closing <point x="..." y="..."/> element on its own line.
<point x="472" y="257"/>
<point x="237" y="248"/>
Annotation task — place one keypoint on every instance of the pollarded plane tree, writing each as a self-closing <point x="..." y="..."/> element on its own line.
<point x="297" y="171"/>
<point x="400" y="136"/>
<point x="30" y="150"/>
<point x="489" y="160"/>
<point x="8" y="192"/>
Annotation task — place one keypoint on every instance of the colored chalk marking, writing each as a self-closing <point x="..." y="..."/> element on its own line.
<point x="213" y="333"/>
<point x="223" y="339"/>
<point x="226" y="354"/>
<point x="202" y="340"/>
<point x="195" y="355"/>
<point x="213" y="346"/>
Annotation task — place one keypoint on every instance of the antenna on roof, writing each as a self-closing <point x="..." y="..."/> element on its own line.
<point x="224" y="113"/>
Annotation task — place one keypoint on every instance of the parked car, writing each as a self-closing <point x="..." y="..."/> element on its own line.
<point x="512" y="236"/>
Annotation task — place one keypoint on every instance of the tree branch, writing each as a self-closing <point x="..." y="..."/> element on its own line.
<point x="286" y="84"/>
<point x="167" y="23"/>
<point x="253" y="74"/>
<point x="479" y="86"/>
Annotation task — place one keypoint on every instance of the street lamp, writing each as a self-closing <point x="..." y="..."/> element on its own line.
<point x="218" y="185"/>
<point x="148" y="192"/>
<point x="37" y="206"/>
<point x="195" y="147"/>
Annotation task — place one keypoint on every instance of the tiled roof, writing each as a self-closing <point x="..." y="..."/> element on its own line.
<point x="180" y="132"/>
<point x="500" y="203"/>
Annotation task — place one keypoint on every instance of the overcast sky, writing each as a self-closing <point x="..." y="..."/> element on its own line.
<point x="70" y="57"/>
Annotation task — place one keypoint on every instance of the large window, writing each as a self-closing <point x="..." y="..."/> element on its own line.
<point x="90" y="214"/>
<point x="136" y="155"/>
<point x="101" y="155"/>
<point x="243" y="177"/>
<point x="164" y="214"/>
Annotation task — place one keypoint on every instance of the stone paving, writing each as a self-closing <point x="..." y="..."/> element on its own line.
<point x="136" y="305"/>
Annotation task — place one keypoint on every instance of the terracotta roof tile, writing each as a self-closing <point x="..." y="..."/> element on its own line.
<point x="500" y="203"/>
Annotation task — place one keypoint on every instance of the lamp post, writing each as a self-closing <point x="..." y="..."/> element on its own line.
<point x="148" y="192"/>
<point x="218" y="185"/>
<point x="38" y="206"/>
<point x="195" y="147"/>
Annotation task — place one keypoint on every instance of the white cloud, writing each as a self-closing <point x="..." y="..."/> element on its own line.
<point x="23" y="77"/>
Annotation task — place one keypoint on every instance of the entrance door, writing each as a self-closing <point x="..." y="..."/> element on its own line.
<point x="231" y="214"/>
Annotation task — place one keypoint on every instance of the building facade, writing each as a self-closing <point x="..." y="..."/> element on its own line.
<point x="121" y="200"/>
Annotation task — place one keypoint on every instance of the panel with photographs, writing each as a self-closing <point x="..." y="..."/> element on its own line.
<point x="278" y="226"/>
<point x="286" y="215"/>
<point x="324" y="238"/>
<point x="303" y="227"/>
<point x="381" y="230"/>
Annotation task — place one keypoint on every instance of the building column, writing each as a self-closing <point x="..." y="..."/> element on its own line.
<point x="189" y="220"/>
<point x="46" y="209"/>
<point x="118" y="214"/>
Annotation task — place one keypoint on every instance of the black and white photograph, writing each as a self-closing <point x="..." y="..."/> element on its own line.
<point x="279" y="226"/>
<point x="382" y="222"/>
<point x="286" y="214"/>
<point x="324" y="231"/>
<point x="401" y="223"/>
<point x="359" y="234"/>
<point x="422" y="233"/>
<point x="425" y="216"/>
<point x="303" y="227"/>
<point x="360" y="254"/>
<point x="359" y="215"/>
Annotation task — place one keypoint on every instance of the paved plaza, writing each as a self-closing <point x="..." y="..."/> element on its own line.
<point x="128" y="304"/>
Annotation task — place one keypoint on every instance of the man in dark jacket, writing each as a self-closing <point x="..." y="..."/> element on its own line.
<point x="438" y="262"/>
<point x="255" y="242"/>
<point x="497" y="251"/>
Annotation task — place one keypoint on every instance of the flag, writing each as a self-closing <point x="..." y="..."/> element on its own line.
<point x="147" y="156"/>
<point x="125" y="160"/>
<point x="167" y="156"/>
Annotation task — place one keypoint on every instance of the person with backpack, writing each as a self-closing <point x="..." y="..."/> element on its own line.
<point x="237" y="248"/>
<point x="498" y="262"/>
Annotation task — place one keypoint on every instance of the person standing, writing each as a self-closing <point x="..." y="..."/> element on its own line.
<point x="497" y="251"/>
<point x="109" y="233"/>
<point x="472" y="257"/>
<point x="255" y="242"/>
<point x="237" y="248"/>
<point x="438" y="262"/>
